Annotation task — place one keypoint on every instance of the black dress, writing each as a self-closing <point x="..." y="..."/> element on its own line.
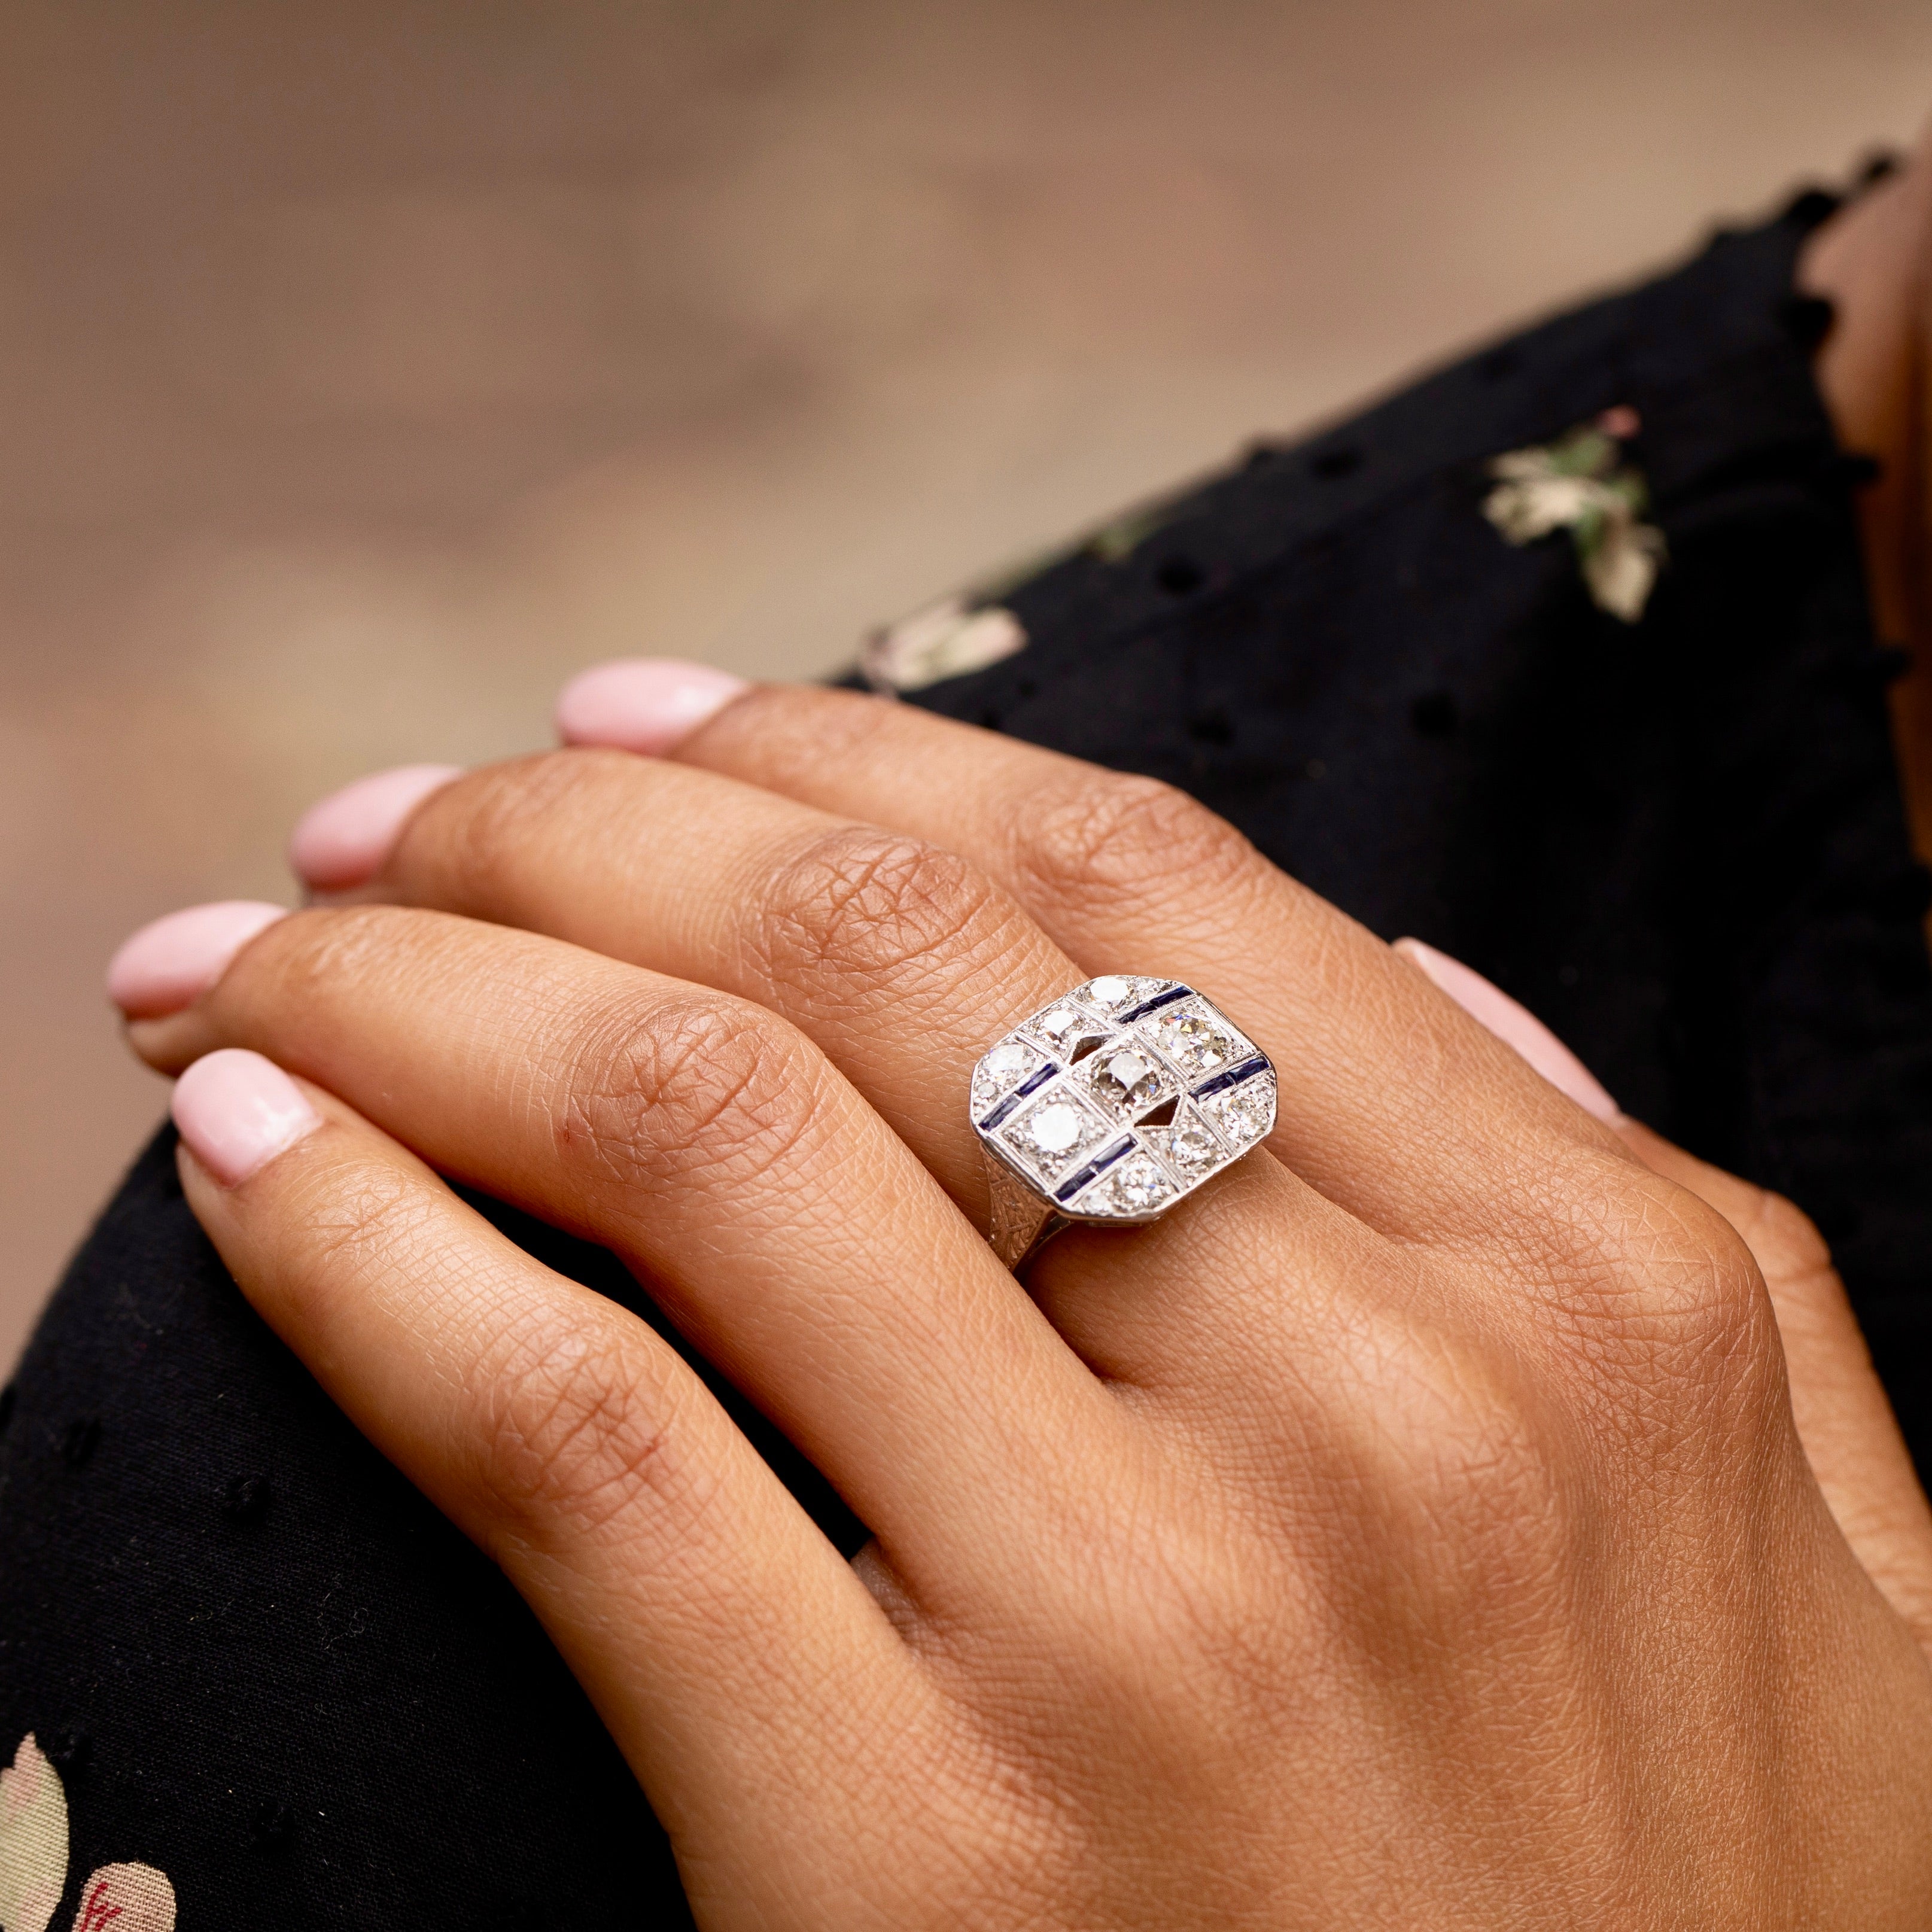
<point x="261" y="1664"/>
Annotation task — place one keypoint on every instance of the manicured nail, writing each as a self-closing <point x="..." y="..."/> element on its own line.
<point x="170" y="963"/>
<point x="342" y="841"/>
<point x="1515" y="1026"/>
<point x="650" y="705"/>
<point x="237" y="1111"/>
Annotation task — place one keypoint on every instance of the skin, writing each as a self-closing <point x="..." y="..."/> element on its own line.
<point x="1411" y="1529"/>
<point x="1462" y="1512"/>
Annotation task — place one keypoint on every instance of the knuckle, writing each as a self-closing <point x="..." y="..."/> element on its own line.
<point x="690" y="1086"/>
<point x="365" y="1223"/>
<point x="1673" y="1299"/>
<point x="568" y="1427"/>
<point x="310" y="957"/>
<point x="490" y="814"/>
<point x="1459" y="1452"/>
<point x="856" y="905"/>
<point x="1782" y="1235"/>
<point x="1107" y="836"/>
<point x="1694" y="1278"/>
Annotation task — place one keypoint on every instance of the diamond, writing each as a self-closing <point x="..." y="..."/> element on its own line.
<point x="1061" y="1024"/>
<point x="1187" y="1147"/>
<point x="1053" y="1133"/>
<point x="1126" y="1080"/>
<point x="999" y="1072"/>
<point x="1196" y="1039"/>
<point x="1119" y="990"/>
<point x="1068" y="1031"/>
<point x="1244" y="1113"/>
<point x="1135" y="1187"/>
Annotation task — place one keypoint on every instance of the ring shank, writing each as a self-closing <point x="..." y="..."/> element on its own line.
<point x="1022" y="1223"/>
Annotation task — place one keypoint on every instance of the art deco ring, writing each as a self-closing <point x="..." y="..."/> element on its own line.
<point x="1109" y="1106"/>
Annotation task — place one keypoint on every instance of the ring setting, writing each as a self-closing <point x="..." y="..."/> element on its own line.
<point x="1110" y="1105"/>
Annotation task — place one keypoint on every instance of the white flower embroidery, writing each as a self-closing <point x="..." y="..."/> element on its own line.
<point x="33" y="1861"/>
<point x="33" y="1841"/>
<point x="1581" y="483"/>
<point x="947" y="639"/>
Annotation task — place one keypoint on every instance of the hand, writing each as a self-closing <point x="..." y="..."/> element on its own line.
<point x="1411" y="1529"/>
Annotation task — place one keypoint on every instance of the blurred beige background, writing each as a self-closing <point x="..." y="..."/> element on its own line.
<point x="366" y="369"/>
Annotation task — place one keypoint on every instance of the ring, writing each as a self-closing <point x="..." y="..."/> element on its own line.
<point x="1110" y="1105"/>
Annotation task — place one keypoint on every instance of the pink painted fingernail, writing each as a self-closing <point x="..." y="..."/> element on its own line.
<point x="169" y="964"/>
<point x="650" y="705"/>
<point x="237" y="1111"/>
<point x="1515" y="1026"/>
<point x="342" y="841"/>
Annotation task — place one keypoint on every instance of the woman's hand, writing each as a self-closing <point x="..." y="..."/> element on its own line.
<point x="1411" y="1529"/>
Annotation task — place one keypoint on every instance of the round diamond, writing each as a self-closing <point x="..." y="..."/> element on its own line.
<point x="999" y="1072"/>
<point x="1243" y="1113"/>
<point x="1125" y="1079"/>
<point x="1136" y="1187"/>
<point x="1055" y="1129"/>
<point x="1117" y="990"/>
<point x="1194" y="1041"/>
<point x="1190" y="1148"/>
<point x="1053" y="1132"/>
<point x="1060" y="1024"/>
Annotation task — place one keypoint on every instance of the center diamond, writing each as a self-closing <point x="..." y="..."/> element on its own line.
<point x="1126" y="1081"/>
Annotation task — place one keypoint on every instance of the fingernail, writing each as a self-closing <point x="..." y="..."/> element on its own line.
<point x="1515" y="1026"/>
<point x="342" y="841"/>
<point x="650" y="705"/>
<point x="170" y="963"/>
<point x="237" y="1111"/>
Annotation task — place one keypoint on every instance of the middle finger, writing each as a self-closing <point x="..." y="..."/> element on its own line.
<point x="899" y="960"/>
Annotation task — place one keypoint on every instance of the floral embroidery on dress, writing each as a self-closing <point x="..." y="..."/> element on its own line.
<point x="34" y="1856"/>
<point x="1582" y="484"/>
<point x="944" y="640"/>
<point x="972" y="628"/>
